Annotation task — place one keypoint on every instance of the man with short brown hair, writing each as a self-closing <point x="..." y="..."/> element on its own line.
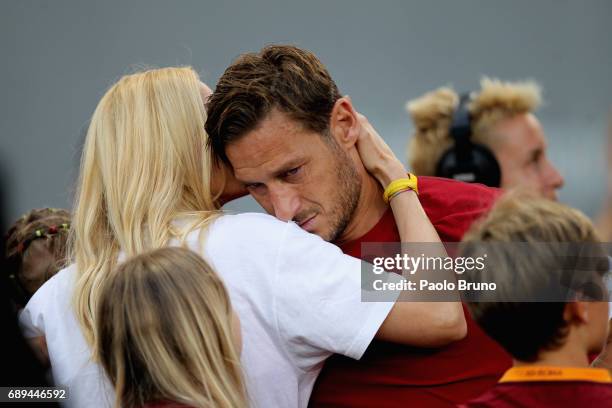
<point x="278" y="118"/>
<point x="265" y="95"/>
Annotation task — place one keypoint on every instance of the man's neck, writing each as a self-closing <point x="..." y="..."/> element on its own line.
<point x="370" y="209"/>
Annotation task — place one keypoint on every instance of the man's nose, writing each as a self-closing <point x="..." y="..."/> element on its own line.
<point x="285" y="203"/>
<point x="552" y="176"/>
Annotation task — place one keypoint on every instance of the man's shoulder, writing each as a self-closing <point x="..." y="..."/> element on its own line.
<point x="452" y="206"/>
<point x="444" y="188"/>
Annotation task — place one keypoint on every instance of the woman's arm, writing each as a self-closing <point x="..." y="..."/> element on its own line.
<point x="224" y="185"/>
<point x="425" y="324"/>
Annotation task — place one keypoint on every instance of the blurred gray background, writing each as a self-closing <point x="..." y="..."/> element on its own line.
<point x="59" y="56"/>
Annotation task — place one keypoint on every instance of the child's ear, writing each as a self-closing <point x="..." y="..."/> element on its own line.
<point x="344" y="123"/>
<point x="576" y="312"/>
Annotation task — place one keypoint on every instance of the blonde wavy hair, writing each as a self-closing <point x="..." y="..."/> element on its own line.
<point x="432" y="115"/>
<point x="145" y="163"/>
<point x="166" y="333"/>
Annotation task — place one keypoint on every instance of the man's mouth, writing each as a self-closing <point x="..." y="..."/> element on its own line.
<point x="308" y="223"/>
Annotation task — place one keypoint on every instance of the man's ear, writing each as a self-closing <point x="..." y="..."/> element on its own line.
<point x="576" y="312"/>
<point x="344" y="124"/>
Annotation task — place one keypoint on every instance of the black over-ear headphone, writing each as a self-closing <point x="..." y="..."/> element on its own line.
<point x="466" y="161"/>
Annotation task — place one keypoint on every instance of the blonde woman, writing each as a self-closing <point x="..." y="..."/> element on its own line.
<point x="147" y="181"/>
<point x="169" y="336"/>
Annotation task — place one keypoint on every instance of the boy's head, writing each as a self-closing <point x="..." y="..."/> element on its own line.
<point x="527" y="243"/>
<point x="36" y="249"/>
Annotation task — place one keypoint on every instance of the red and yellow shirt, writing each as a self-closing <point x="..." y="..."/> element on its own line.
<point x="391" y="375"/>
<point x="543" y="387"/>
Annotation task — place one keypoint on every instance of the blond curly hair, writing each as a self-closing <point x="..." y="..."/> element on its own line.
<point x="432" y="115"/>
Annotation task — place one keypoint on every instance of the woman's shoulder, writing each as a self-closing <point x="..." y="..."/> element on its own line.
<point x="249" y="225"/>
<point x="252" y="235"/>
<point x="250" y="218"/>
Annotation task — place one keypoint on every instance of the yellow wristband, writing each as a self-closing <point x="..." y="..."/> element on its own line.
<point x="400" y="185"/>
